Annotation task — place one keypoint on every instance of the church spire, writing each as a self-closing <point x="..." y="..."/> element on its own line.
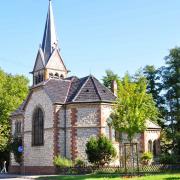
<point x="50" y="38"/>
<point x="49" y="63"/>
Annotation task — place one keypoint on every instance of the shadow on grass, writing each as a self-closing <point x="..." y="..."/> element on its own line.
<point x="172" y="178"/>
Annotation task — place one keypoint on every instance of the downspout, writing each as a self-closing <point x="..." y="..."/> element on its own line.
<point x="65" y="126"/>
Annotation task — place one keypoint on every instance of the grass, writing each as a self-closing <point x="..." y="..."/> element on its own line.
<point x="175" y="176"/>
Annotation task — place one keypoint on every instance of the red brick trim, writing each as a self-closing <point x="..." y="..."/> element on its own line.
<point x="40" y="170"/>
<point x="142" y="142"/>
<point x="34" y="170"/>
<point x="56" y="131"/>
<point x="14" y="169"/>
<point x="74" y="151"/>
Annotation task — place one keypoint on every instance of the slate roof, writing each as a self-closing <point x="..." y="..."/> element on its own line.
<point x="89" y="89"/>
<point x="57" y="90"/>
<point x="19" y="111"/>
<point x="73" y="90"/>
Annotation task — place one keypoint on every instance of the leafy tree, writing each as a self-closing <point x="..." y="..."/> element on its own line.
<point x="110" y="76"/>
<point x="133" y="107"/>
<point x="171" y="77"/>
<point x="100" y="151"/>
<point x="165" y="141"/>
<point x="4" y="134"/>
<point x="155" y="87"/>
<point x="13" y="90"/>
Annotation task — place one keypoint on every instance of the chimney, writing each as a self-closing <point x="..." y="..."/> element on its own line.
<point x="114" y="87"/>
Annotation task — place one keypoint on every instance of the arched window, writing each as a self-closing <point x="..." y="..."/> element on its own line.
<point x="56" y="76"/>
<point x="36" y="79"/>
<point x="62" y="76"/>
<point x="42" y="77"/>
<point x="150" y="149"/>
<point x="155" y="148"/>
<point x="39" y="77"/>
<point x="51" y="75"/>
<point x="38" y="128"/>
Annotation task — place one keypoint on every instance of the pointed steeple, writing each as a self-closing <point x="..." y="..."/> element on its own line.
<point x="49" y="63"/>
<point x="50" y="41"/>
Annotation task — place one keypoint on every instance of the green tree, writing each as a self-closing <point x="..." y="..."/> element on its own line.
<point x="13" y="90"/>
<point x="133" y="107"/>
<point x="171" y="77"/>
<point x="100" y="151"/>
<point x="108" y="78"/>
<point x="155" y="87"/>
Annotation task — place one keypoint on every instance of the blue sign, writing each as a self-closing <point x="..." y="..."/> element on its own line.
<point x="20" y="149"/>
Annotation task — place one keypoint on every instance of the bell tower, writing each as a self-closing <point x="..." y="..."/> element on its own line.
<point x="49" y="63"/>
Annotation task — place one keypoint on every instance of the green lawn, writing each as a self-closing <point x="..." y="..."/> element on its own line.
<point x="114" y="177"/>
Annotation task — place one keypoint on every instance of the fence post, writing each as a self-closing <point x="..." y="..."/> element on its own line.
<point x="125" y="159"/>
<point x="137" y="151"/>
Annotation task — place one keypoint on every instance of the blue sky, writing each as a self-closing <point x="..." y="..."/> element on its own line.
<point x="94" y="35"/>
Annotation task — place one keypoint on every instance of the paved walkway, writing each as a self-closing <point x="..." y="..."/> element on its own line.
<point x="16" y="177"/>
<point x="21" y="177"/>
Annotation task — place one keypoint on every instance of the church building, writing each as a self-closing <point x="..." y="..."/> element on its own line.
<point x="61" y="113"/>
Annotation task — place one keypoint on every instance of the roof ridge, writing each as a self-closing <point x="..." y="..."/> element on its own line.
<point x="42" y="58"/>
<point x="104" y="86"/>
<point x="80" y="88"/>
<point x="92" y="77"/>
<point x="68" y="90"/>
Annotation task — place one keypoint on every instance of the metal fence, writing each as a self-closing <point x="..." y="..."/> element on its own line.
<point x="160" y="168"/>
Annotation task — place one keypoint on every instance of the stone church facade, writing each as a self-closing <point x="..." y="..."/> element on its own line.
<point x="61" y="113"/>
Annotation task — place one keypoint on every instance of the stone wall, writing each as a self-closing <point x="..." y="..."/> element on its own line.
<point x="82" y="122"/>
<point x="39" y="155"/>
<point x="87" y="123"/>
<point x="106" y="110"/>
<point x="14" y="119"/>
<point x="64" y="125"/>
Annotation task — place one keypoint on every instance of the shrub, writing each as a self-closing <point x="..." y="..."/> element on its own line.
<point x="62" y="162"/>
<point x="79" y="163"/>
<point x="100" y="151"/>
<point x="167" y="159"/>
<point x="146" y="158"/>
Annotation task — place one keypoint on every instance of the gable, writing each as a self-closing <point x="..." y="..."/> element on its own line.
<point x="56" y="62"/>
<point x="152" y="125"/>
<point x="38" y="98"/>
<point x="39" y="62"/>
